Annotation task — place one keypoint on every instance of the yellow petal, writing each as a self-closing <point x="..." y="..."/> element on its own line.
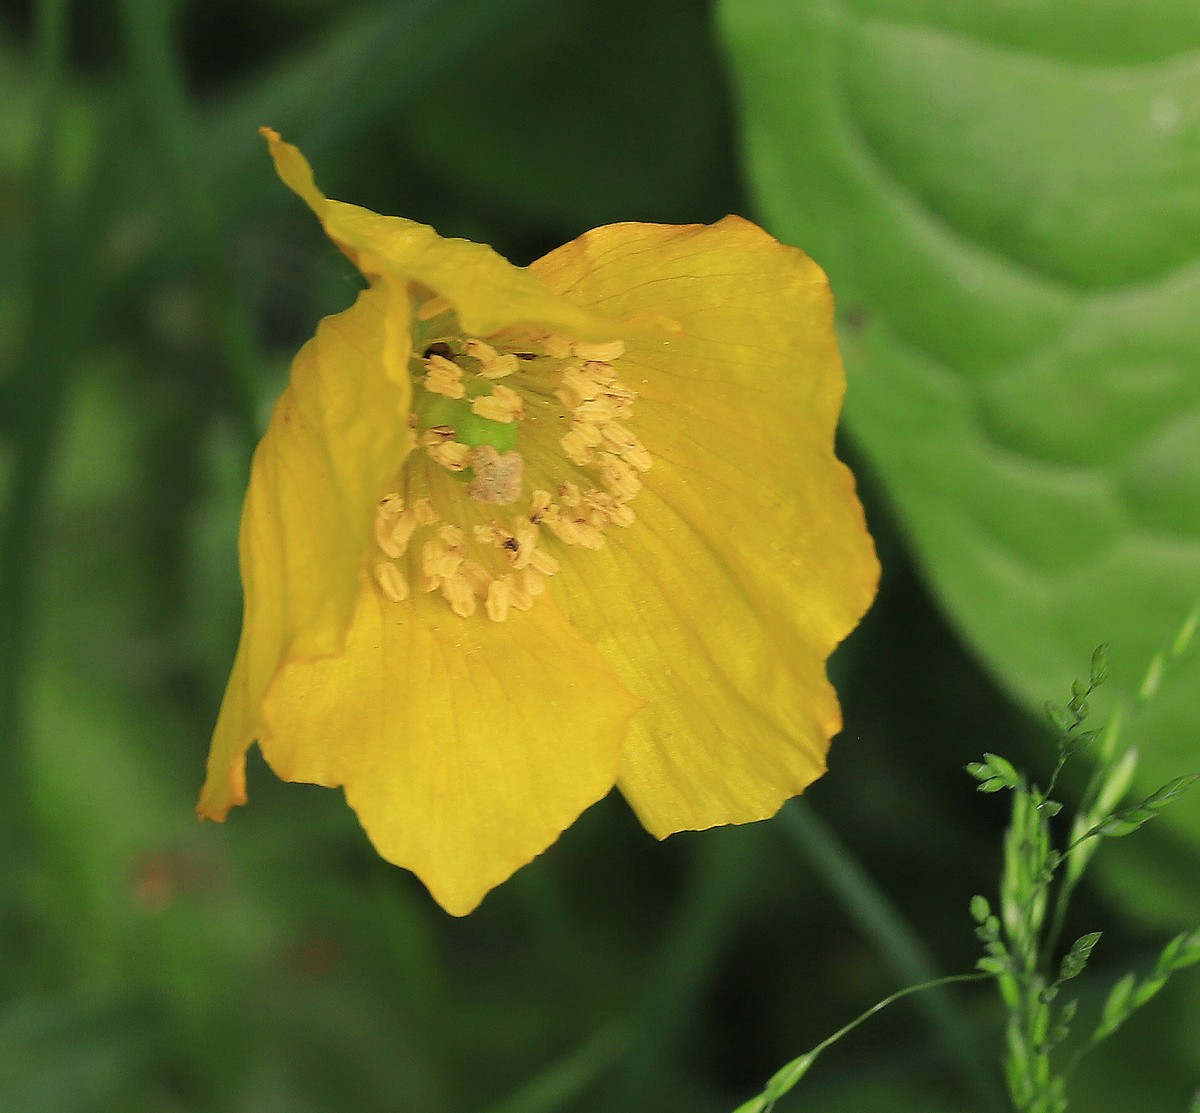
<point x="749" y="559"/>
<point x="489" y="293"/>
<point x="465" y="746"/>
<point x="337" y="435"/>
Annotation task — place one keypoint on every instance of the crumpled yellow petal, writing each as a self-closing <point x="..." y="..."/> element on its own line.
<point x="488" y="292"/>
<point x="337" y="435"/>
<point x="749" y="560"/>
<point x="465" y="747"/>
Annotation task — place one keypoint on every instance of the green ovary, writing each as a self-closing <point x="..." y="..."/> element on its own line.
<point x="469" y="428"/>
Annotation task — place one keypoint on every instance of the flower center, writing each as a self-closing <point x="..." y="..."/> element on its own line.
<point x="522" y="450"/>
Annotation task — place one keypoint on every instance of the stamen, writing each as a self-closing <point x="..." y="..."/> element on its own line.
<point x="390" y="510"/>
<point x="438" y="561"/>
<point x="604" y="352"/>
<point x="556" y="346"/>
<point x="492" y="365"/>
<point x="457" y="592"/>
<point x="391" y="582"/>
<point x="601" y="409"/>
<point x="444" y="376"/>
<point x="503" y="404"/>
<point x="496" y="603"/>
<point x="539" y="503"/>
<point x="576" y="447"/>
<point x="543" y="562"/>
<point x="499" y="367"/>
<point x="479" y="578"/>
<point x="522" y="545"/>
<point x="531" y="581"/>
<point x="618" y="477"/>
<point x="480" y="350"/>
<point x="519" y="595"/>
<point x="452" y="455"/>
<point x="575" y="387"/>
<point x="501" y="564"/>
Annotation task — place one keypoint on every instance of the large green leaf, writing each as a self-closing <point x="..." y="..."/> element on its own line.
<point x="1007" y="200"/>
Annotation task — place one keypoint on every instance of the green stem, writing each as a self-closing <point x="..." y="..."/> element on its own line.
<point x="566" y="1080"/>
<point x="896" y="943"/>
<point x="788" y="1075"/>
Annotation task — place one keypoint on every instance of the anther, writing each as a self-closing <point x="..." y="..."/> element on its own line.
<point x="452" y="455"/>
<point x="391" y="582"/>
<point x="444" y="376"/>
<point x="503" y="405"/>
<point x="457" y="592"/>
<point x="496" y="603"/>
<point x="604" y="352"/>
<point x="539" y="504"/>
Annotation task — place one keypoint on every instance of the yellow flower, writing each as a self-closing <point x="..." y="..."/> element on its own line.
<point x="514" y="536"/>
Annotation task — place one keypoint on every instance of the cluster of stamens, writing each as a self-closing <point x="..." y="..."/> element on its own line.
<point x="475" y="513"/>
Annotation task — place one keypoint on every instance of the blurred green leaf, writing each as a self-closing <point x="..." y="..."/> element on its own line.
<point x="58" y="1056"/>
<point x="1006" y="203"/>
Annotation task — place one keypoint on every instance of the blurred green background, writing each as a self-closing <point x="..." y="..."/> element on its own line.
<point x="1006" y="199"/>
